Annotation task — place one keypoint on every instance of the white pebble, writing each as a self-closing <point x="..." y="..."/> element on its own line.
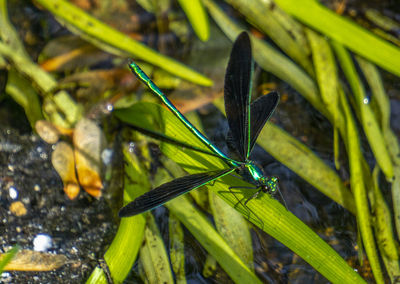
<point x="13" y="192"/>
<point x="42" y="242"/>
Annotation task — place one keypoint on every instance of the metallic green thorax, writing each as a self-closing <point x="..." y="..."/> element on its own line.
<point x="255" y="172"/>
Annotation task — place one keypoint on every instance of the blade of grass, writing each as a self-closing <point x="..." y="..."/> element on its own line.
<point x="114" y="41"/>
<point x="213" y="242"/>
<point x="124" y="249"/>
<point x="381" y="99"/>
<point x="233" y="228"/>
<point x="283" y="30"/>
<point x="7" y="257"/>
<point x="22" y="92"/>
<point x="177" y="249"/>
<point x="345" y="32"/>
<point x="277" y="221"/>
<point x="197" y="16"/>
<point x="153" y="261"/>
<point x="270" y="59"/>
<point x="297" y="157"/>
<point x="367" y="117"/>
<point x="65" y="112"/>
<point x="360" y="191"/>
<point x="396" y="196"/>
<point x="204" y="232"/>
<point x="379" y="95"/>
<point x="326" y="74"/>
<point x="383" y="222"/>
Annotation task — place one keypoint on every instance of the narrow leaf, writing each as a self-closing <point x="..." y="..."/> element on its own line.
<point x="114" y="41"/>
<point x="346" y="32"/>
<point x="197" y="16"/>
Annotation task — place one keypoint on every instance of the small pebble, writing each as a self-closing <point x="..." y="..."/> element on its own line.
<point x="18" y="208"/>
<point x="13" y="192"/>
<point x="42" y="242"/>
<point x="106" y="156"/>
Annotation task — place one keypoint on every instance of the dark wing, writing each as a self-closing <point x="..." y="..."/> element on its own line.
<point x="237" y="93"/>
<point x="260" y="111"/>
<point x="168" y="191"/>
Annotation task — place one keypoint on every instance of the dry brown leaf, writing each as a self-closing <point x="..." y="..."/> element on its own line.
<point x="63" y="162"/>
<point x="89" y="143"/>
<point x="28" y="260"/>
<point x="47" y="131"/>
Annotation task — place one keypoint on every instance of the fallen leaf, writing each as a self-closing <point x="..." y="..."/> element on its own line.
<point x="63" y="162"/>
<point x="89" y="143"/>
<point x="28" y="260"/>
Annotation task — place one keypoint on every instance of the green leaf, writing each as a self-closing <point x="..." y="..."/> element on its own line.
<point x="177" y="248"/>
<point x="197" y="16"/>
<point x="296" y="156"/>
<point x="327" y="78"/>
<point x="275" y="219"/>
<point x="281" y="28"/>
<point x="383" y="222"/>
<point x="124" y="249"/>
<point x="233" y="227"/>
<point x="216" y="246"/>
<point x="8" y="256"/>
<point x="300" y="159"/>
<point x="204" y="232"/>
<point x="367" y="117"/>
<point x="272" y="60"/>
<point x="64" y="112"/>
<point x="346" y="32"/>
<point x="22" y="92"/>
<point x="153" y="263"/>
<point x="358" y="187"/>
<point x="114" y="41"/>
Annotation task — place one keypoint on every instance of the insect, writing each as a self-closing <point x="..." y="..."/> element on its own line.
<point x="245" y="122"/>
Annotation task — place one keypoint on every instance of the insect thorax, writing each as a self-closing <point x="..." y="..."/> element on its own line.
<point x="255" y="175"/>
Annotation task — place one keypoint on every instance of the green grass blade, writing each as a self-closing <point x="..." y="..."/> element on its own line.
<point x="209" y="238"/>
<point x="154" y="265"/>
<point x="383" y="222"/>
<point x="283" y="30"/>
<point x="277" y="221"/>
<point x="297" y="157"/>
<point x="271" y="60"/>
<point x="124" y="249"/>
<point x="346" y="32"/>
<point x="204" y="232"/>
<point x="396" y="196"/>
<point x="328" y="83"/>
<point x="367" y="117"/>
<point x="360" y="192"/>
<point x="65" y="111"/>
<point x="233" y="228"/>
<point x="8" y="256"/>
<point x="114" y="41"/>
<point x="325" y="69"/>
<point x="22" y="92"/>
<point x="381" y="99"/>
<point x="177" y="248"/>
<point x="197" y="16"/>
